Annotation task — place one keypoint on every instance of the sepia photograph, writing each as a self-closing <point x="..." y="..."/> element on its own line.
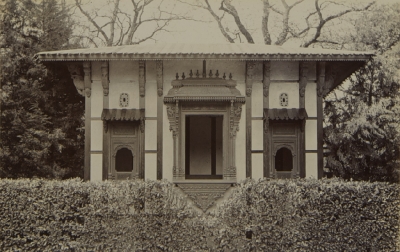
<point x="200" y="125"/>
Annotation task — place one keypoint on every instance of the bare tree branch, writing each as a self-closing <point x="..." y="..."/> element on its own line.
<point x="323" y="21"/>
<point x="91" y="20"/>
<point x="114" y="17"/>
<point x="283" y="35"/>
<point x="264" y="22"/>
<point x="230" y="9"/>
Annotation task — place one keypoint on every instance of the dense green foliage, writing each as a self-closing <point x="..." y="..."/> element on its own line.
<point x="282" y="215"/>
<point x="362" y="129"/>
<point x="41" y="112"/>
<point x="313" y="215"/>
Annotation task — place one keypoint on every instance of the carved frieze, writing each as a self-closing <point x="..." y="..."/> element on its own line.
<point x="159" y="69"/>
<point x="87" y="78"/>
<point x="142" y="77"/>
<point x="104" y="77"/>
<point x="76" y="72"/>
<point x="266" y="77"/>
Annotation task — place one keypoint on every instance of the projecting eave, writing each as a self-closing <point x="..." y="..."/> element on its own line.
<point x="203" y="51"/>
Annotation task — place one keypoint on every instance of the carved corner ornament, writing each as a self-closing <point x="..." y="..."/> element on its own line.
<point x="142" y="77"/>
<point x="104" y="77"/>
<point x="76" y="73"/>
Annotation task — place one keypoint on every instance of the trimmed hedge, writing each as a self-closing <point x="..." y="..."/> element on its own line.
<point x="312" y="215"/>
<point x="276" y="215"/>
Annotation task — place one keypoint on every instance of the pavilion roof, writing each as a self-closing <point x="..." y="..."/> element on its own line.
<point x="226" y="51"/>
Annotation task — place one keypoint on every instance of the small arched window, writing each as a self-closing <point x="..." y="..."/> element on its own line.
<point x="124" y="160"/>
<point x="283" y="160"/>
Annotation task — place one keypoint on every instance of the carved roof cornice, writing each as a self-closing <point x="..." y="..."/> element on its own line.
<point x="204" y="89"/>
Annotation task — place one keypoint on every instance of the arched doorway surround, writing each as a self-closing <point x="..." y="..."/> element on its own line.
<point x="204" y="113"/>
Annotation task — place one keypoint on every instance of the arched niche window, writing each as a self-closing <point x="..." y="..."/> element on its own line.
<point x="124" y="160"/>
<point x="283" y="160"/>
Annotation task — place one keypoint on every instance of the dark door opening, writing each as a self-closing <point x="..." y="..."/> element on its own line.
<point x="284" y="163"/>
<point x="203" y="147"/>
<point x="123" y="164"/>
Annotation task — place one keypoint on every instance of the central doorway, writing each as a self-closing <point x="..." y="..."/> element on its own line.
<point x="204" y="147"/>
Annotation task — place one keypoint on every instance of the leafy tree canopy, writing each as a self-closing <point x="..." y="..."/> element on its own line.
<point x="41" y="112"/>
<point x="362" y="129"/>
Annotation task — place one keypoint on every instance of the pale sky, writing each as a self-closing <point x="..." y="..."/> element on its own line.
<point x="207" y="32"/>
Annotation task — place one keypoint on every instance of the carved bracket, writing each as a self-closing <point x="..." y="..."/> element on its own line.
<point x="76" y="72"/>
<point x="236" y="112"/>
<point x="87" y="78"/>
<point x="159" y="68"/>
<point x="104" y="77"/>
<point x="250" y="66"/>
<point x="105" y="126"/>
<point x="321" y="85"/>
<point x="266" y="124"/>
<point x="142" y="77"/>
<point x="266" y="77"/>
<point x="303" y="78"/>
<point x="142" y="124"/>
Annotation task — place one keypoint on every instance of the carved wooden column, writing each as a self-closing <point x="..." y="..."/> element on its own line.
<point x="234" y="118"/>
<point x="266" y="138"/>
<point x="106" y="135"/>
<point x="321" y="91"/>
<point x="303" y="79"/>
<point x="88" y="90"/>
<point x="250" y="65"/>
<point x="160" y="84"/>
<point x="174" y="120"/>
<point x="142" y="89"/>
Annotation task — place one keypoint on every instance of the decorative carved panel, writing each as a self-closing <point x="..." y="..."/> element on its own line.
<point x="284" y="99"/>
<point x="124" y="100"/>
<point x="204" y="195"/>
